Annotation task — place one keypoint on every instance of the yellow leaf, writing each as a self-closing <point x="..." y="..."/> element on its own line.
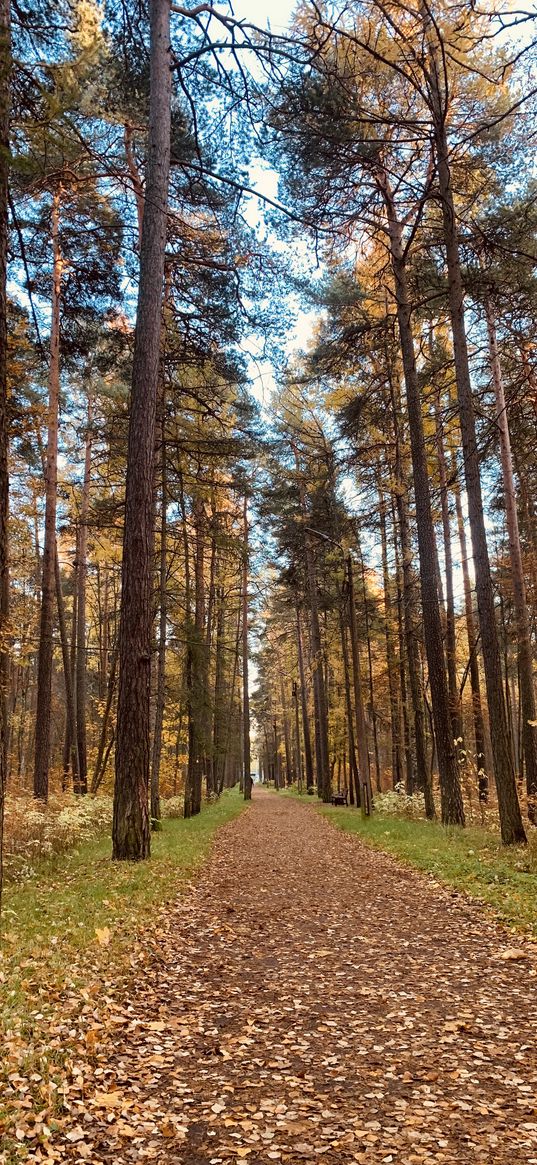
<point x="91" y="1038"/>
<point x="108" y="1099"/>
<point x="103" y="935"/>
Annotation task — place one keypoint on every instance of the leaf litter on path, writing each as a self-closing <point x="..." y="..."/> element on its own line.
<point x="309" y="1000"/>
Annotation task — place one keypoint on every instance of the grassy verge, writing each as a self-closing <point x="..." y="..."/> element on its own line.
<point x="472" y="860"/>
<point x="68" y="937"/>
<point x="82" y="901"/>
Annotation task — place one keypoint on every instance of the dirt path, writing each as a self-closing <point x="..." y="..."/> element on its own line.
<point x="312" y="1001"/>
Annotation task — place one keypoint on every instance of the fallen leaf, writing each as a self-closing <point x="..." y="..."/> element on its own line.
<point x="108" y="1099"/>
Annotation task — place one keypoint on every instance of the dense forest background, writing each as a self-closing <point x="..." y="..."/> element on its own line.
<point x="355" y="547"/>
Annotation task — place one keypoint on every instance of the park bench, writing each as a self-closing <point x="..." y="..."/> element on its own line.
<point x="340" y="799"/>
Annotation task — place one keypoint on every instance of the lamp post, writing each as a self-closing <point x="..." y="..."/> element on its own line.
<point x="361" y="735"/>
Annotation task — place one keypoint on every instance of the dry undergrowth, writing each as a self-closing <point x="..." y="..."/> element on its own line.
<point x="34" y="832"/>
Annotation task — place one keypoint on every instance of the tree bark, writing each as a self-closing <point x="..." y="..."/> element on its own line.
<point x="324" y="783"/>
<point x="217" y="759"/>
<point x="44" y="665"/>
<point x="409" y="620"/>
<point x="82" y="573"/>
<point x="475" y="683"/>
<point x="286" y="731"/>
<point x="356" y="792"/>
<point x="231" y="705"/>
<point x="319" y="690"/>
<point x="199" y="709"/>
<point x="160" y="695"/>
<point x="70" y="725"/>
<point x="397" y="767"/>
<point x="512" y="828"/>
<point x="403" y="639"/>
<point x="131" y="832"/>
<point x="70" y="751"/>
<point x="246" y="766"/>
<point x="103" y="749"/>
<point x="308" y="755"/>
<point x="450" y="790"/>
<point x="451" y="644"/>
<point x="298" y="748"/>
<point x="366" y="798"/>
<point x="374" y="717"/>
<point x="5" y="87"/>
<point x="525" y="658"/>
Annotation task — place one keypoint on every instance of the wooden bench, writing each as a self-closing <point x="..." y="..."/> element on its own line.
<point x="340" y="798"/>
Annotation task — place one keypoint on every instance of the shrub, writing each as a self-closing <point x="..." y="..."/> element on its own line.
<point x="172" y="806"/>
<point x="398" y="803"/>
<point x="33" y="831"/>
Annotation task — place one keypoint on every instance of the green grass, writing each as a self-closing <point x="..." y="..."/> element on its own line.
<point x="67" y="942"/>
<point x="292" y="791"/>
<point x="50" y="925"/>
<point x="472" y="860"/>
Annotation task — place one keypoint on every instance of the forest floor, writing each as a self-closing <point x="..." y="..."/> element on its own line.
<point x="308" y="999"/>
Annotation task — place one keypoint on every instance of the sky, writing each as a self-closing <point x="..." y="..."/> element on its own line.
<point x="277" y="14"/>
<point x="263" y="12"/>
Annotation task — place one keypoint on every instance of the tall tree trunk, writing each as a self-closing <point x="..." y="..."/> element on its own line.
<point x="218" y="693"/>
<point x="213" y="570"/>
<point x="44" y="665"/>
<point x="5" y="87"/>
<point x="324" y="783"/>
<point x="408" y="614"/>
<point x="370" y="666"/>
<point x="82" y="572"/>
<point x="308" y="755"/>
<point x="247" y="780"/>
<point x="359" y="711"/>
<point x="102" y="628"/>
<point x="232" y="702"/>
<point x="397" y="767"/>
<point x="298" y="748"/>
<point x="475" y="683"/>
<point x="100" y="763"/>
<point x="525" y="659"/>
<point x="131" y="832"/>
<point x="355" y="775"/>
<point x="450" y="790"/>
<point x="512" y="828"/>
<point x="402" y="616"/>
<point x="199" y="711"/>
<point x="286" y="732"/>
<point x="70" y="751"/>
<point x="189" y="645"/>
<point x="70" y="723"/>
<point x="451" y="644"/>
<point x="160" y="695"/>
